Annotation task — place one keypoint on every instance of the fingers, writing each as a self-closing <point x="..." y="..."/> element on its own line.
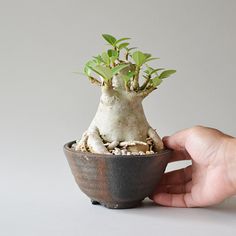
<point x="173" y="189"/>
<point x="174" y="200"/>
<point x="177" y="176"/>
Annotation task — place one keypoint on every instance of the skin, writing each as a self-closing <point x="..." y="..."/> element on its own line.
<point x="209" y="180"/>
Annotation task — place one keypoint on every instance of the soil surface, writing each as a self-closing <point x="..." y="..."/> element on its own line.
<point x="125" y="147"/>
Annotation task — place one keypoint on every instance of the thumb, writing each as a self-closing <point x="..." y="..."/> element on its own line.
<point x="178" y="140"/>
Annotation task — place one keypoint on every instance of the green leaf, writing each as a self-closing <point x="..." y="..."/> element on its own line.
<point x="88" y="65"/>
<point x="98" y="59"/>
<point x="147" y="55"/>
<point x="123" y="45"/>
<point x="129" y="49"/>
<point x="151" y="59"/>
<point x="148" y="70"/>
<point x="156" y="81"/>
<point x="139" y="58"/>
<point x="130" y="73"/>
<point x="156" y="70"/>
<point x="112" y="53"/>
<point x="166" y="73"/>
<point x="120" y="40"/>
<point x="128" y="76"/>
<point x="109" y="38"/>
<point x="105" y="58"/>
<point x="113" y="59"/>
<point x="118" y="68"/>
<point x="105" y="72"/>
<point x="87" y="71"/>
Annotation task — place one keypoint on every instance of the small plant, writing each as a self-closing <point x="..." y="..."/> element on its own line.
<point x="125" y="78"/>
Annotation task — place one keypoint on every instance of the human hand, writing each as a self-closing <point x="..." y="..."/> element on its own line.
<point x="212" y="176"/>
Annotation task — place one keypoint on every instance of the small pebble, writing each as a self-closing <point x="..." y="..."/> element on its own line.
<point x="113" y="145"/>
<point x="141" y="153"/>
<point x="117" y="151"/>
<point x="128" y="153"/>
<point x="124" y="152"/>
<point x="135" y="153"/>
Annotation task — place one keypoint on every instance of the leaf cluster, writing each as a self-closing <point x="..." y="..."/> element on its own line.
<point x="117" y="59"/>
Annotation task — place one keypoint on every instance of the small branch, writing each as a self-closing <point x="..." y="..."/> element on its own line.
<point x="121" y="61"/>
<point x="127" y="87"/>
<point x="145" y="83"/>
<point x="94" y="81"/>
<point x="145" y="92"/>
<point x="135" y="82"/>
<point x="107" y="85"/>
<point x="127" y="56"/>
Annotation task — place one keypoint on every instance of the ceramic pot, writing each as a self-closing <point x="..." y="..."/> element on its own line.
<point x="116" y="181"/>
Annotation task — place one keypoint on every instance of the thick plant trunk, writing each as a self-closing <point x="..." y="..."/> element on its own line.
<point x="120" y="119"/>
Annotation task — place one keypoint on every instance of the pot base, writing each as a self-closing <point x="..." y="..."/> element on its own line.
<point x="118" y="205"/>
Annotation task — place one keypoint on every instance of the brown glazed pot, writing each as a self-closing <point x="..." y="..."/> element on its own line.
<point x="116" y="181"/>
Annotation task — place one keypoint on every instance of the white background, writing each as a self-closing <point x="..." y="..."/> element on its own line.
<point x="44" y="105"/>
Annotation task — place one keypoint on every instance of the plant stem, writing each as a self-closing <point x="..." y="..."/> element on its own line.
<point x="127" y="56"/>
<point x="145" y="92"/>
<point x="94" y="81"/>
<point x="145" y="83"/>
<point x="127" y="87"/>
<point x="135" y="82"/>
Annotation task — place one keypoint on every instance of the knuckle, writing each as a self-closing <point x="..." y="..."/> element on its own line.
<point x="197" y="128"/>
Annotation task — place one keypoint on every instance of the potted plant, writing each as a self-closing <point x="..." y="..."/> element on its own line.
<point x="120" y="158"/>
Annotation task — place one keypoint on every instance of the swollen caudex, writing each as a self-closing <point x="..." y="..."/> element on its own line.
<point x="120" y="127"/>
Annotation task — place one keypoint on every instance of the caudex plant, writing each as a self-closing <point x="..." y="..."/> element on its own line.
<point x="125" y="78"/>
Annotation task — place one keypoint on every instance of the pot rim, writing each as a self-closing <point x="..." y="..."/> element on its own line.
<point x="67" y="147"/>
